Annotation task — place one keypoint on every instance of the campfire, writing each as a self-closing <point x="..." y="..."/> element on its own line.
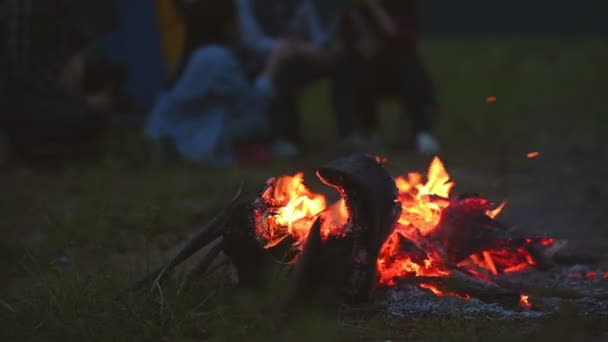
<point x="434" y="236"/>
<point x="383" y="233"/>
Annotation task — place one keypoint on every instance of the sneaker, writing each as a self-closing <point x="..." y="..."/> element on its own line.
<point x="427" y="144"/>
<point x="283" y="149"/>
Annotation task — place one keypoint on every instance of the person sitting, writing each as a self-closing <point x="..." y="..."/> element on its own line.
<point x="210" y="108"/>
<point x="296" y="25"/>
<point x="379" y="58"/>
<point x="51" y="90"/>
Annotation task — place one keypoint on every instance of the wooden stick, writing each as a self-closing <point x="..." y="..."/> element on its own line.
<point x="204" y="264"/>
<point x="206" y="234"/>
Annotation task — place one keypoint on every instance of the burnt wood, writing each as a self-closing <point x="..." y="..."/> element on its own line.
<point x="205" y="235"/>
<point x="240" y="244"/>
<point x="371" y="198"/>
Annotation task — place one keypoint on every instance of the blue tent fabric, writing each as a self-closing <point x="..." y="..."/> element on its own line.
<point x="137" y="44"/>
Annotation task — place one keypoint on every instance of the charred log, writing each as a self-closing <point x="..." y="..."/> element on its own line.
<point x="371" y="198"/>
<point x="201" y="268"/>
<point x="486" y="291"/>
<point x="242" y="247"/>
<point x="205" y="235"/>
<point x="464" y="229"/>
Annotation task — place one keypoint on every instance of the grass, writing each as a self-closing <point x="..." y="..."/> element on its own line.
<point x="119" y="216"/>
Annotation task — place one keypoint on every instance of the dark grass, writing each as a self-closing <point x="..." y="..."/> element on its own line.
<point x="115" y="218"/>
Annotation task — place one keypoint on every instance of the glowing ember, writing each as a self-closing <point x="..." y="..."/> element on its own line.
<point x="292" y="209"/>
<point x="440" y="293"/>
<point x="381" y="160"/>
<point x="591" y="275"/>
<point x="533" y="155"/>
<point x="524" y="300"/>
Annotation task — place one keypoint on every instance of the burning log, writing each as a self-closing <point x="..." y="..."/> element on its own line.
<point x="343" y="267"/>
<point x="382" y="231"/>
<point x="206" y="262"/>
<point x="371" y="197"/>
<point x="487" y="291"/>
<point x="465" y="229"/>
<point x="240" y="244"/>
<point x="306" y="265"/>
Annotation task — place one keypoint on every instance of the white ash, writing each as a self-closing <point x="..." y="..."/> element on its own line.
<point x="412" y="301"/>
<point x="588" y="296"/>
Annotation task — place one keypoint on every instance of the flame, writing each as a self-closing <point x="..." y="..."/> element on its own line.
<point x="533" y="155"/>
<point x="393" y="264"/>
<point x="291" y="208"/>
<point x="494" y="212"/>
<point x="524" y="301"/>
<point x="491" y="99"/>
<point x="422" y="202"/>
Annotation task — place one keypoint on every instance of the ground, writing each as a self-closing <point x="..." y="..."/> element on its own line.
<point x="74" y="235"/>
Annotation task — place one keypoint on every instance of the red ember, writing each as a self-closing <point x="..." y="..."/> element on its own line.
<point x="591" y="275"/>
<point x="440" y="293"/>
<point x="524" y="300"/>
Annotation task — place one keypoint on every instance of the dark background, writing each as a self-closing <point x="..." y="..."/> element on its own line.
<point x="479" y="17"/>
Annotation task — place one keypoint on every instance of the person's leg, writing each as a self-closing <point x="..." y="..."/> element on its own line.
<point x="342" y="95"/>
<point x="353" y="100"/>
<point x="294" y="75"/>
<point x="419" y="98"/>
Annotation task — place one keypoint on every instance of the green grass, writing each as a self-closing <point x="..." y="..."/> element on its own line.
<point x="116" y="218"/>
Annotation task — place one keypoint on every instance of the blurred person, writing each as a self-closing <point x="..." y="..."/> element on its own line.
<point x="296" y="24"/>
<point x="379" y="58"/>
<point x="54" y="86"/>
<point x="210" y="110"/>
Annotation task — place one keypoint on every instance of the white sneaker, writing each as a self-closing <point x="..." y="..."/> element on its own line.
<point x="283" y="149"/>
<point x="427" y="144"/>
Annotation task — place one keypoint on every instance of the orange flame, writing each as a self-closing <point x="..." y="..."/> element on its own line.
<point x="292" y="210"/>
<point x="491" y="99"/>
<point x="422" y="202"/>
<point x="524" y="301"/>
<point x="533" y="155"/>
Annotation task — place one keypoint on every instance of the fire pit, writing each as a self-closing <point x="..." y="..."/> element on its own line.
<point x="408" y="240"/>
